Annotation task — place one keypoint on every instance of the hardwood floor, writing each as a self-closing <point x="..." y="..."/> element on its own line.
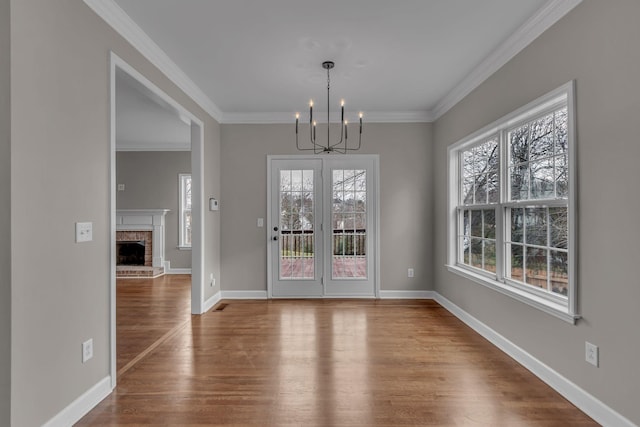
<point x="147" y="311"/>
<point x="331" y="363"/>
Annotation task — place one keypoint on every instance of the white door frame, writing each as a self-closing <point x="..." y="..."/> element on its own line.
<point x="376" y="244"/>
<point x="197" y="173"/>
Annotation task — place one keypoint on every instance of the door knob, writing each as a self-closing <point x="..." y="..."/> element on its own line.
<point x="275" y="228"/>
<point x="275" y="237"/>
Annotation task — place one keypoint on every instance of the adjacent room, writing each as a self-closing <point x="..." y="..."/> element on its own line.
<point x="284" y="213"/>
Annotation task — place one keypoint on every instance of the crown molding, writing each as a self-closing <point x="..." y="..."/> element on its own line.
<point x="288" y="118"/>
<point x="544" y="18"/>
<point x="117" y="18"/>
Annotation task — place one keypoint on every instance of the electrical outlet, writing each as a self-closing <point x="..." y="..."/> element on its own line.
<point x="410" y="272"/>
<point x="87" y="350"/>
<point x="591" y="353"/>
<point x="84" y="232"/>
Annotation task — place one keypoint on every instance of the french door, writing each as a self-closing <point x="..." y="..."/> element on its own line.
<point x="322" y="218"/>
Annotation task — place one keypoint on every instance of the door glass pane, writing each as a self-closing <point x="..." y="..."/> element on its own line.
<point x="296" y="234"/>
<point x="348" y="224"/>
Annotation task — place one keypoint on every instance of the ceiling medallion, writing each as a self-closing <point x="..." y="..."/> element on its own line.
<point x="340" y="146"/>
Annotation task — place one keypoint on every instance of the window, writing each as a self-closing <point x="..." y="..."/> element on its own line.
<point x="511" y="225"/>
<point x="185" y="210"/>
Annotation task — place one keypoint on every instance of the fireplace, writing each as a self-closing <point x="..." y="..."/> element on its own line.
<point x="140" y="242"/>
<point x="130" y="252"/>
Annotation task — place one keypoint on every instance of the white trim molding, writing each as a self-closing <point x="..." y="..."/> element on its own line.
<point x="244" y="294"/>
<point x="407" y="294"/>
<point x="288" y="118"/>
<point x="213" y="300"/>
<point x="543" y="19"/>
<point x="177" y="270"/>
<point x="586" y="402"/>
<point x="82" y="405"/>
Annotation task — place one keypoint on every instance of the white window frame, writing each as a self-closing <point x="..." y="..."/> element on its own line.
<point x="561" y="307"/>
<point x="183" y="242"/>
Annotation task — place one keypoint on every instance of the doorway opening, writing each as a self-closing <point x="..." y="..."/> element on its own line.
<point x="191" y="145"/>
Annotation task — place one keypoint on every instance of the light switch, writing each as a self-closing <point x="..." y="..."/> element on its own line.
<point x="84" y="232"/>
<point x="260" y="222"/>
<point x="120" y="187"/>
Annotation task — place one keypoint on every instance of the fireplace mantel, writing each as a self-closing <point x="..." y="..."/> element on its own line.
<point x="145" y="220"/>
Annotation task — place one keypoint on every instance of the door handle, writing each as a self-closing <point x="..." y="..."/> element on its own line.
<point x="275" y="228"/>
<point x="275" y="237"/>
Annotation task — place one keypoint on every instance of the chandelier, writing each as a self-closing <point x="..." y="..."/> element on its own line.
<point x="341" y="146"/>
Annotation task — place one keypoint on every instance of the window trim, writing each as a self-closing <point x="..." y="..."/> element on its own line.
<point x="181" y="210"/>
<point x="561" y="96"/>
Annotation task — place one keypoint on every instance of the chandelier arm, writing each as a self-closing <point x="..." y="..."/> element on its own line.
<point x="313" y="148"/>
<point x="359" y="144"/>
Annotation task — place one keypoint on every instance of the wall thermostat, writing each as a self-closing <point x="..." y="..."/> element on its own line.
<point x="213" y="204"/>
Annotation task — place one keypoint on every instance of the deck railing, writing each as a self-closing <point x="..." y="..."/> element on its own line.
<point x="300" y="243"/>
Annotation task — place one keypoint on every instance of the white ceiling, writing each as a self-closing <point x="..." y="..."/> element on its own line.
<point x="401" y="58"/>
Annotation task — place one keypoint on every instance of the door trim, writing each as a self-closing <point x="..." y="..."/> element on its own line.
<point x="375" y="159"/>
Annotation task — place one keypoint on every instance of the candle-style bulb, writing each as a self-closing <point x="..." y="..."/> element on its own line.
<point x="311" y="103"/>
<point x="297" y="116"/>
<point x="342" y="103"/>
<point x="361" y="114"/>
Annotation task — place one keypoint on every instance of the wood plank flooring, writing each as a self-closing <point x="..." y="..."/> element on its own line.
<point x="330" y="363"/>
<point x="146" y="311"/>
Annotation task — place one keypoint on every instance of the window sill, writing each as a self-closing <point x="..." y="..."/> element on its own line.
<point x="184" y="248"/>
<point x="550" y="307"/>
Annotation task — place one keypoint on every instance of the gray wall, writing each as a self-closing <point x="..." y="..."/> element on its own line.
<point x="151" y="182"/>
<point x="212" y="221"/>
<point x="405" y="199"/>
<point x="5" y="214"/>
<point x="60" y="158"/>
<point x="596" y="44"/>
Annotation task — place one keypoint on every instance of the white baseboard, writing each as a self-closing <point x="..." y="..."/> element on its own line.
<point x="208" y="304"/>
<point x="383" y="295"/>
<point x="177" y="271"/>
<point x="407" y="294"/>
<point x="82" y="405"/>
<point x="244" y="294"/>
<point x="169" y="270"/>
<point x="587" y="403"/>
